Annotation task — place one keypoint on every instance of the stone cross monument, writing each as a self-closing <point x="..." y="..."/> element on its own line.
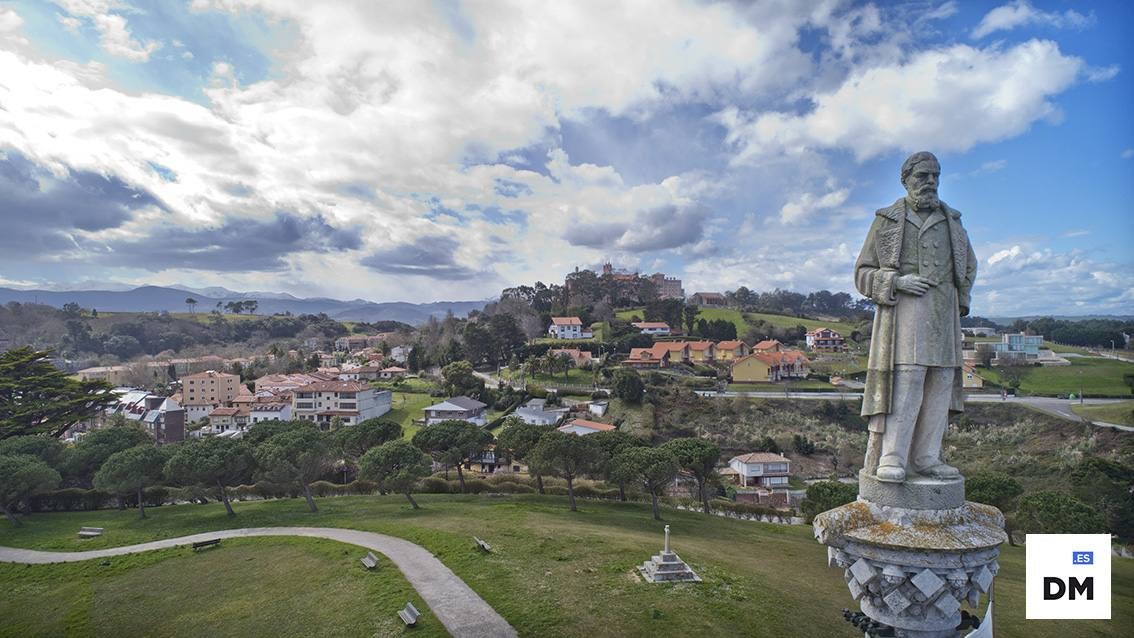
<point x="913" y="549"/>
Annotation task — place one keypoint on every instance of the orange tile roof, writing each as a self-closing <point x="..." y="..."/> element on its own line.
<point x="594" y="425"/>
<point x="730" y="345"/>
<point x="334" y="386"/>
<point x="760" y="457"/>
<point x="566" y="321"/>
<point x="650" y="324"/>
<point x="767" y="344"/>
<point x="700" y="345"/>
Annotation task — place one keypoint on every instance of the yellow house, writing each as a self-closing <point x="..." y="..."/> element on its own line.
<point x="731" y="350"/>
<point x="755" y="368"/>
<point x="702" y="351"/>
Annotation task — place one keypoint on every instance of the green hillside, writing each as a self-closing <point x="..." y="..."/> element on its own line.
<point x="552" y="573"/>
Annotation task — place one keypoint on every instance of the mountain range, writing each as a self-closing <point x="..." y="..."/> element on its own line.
<point x="172" y="299"/>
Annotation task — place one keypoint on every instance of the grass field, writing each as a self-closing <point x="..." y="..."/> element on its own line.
<point x="575" y="376"/>
<point x="1121" y="413"/>
<point x="244" y="587"/>
<point x="1096" y="376"/>
<point x="552" y="572"/>
<point x="406" y="407"/>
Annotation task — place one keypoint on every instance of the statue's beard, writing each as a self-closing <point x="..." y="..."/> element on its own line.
<point x="926" y="199"/>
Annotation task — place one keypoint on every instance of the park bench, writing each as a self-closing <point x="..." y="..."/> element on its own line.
<point x="409" y="615"/>
<point x="370" y="561"/>
<point x="203" y="544"/>
<point x="90" y="532"/>
<point x="483" y="545"/>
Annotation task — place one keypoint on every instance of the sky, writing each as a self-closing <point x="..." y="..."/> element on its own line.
<point x="444" y="150"/>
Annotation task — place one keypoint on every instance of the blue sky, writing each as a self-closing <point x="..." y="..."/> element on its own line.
<point x="444" y="150"/>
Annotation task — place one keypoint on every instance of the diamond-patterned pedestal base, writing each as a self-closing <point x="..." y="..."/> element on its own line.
<point x="913" y="569"/>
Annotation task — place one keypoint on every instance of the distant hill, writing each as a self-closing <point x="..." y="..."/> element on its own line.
<point x="158" y="298"/>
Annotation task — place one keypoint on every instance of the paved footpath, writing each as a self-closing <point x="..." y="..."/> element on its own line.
<point x="459" y="608"/>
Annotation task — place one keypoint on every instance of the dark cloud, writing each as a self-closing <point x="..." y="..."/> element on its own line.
<point x="426" y="256"/>
<point x="659" y="228"/>
<point x="40" y="211"/>
<point x="236" y="245"/>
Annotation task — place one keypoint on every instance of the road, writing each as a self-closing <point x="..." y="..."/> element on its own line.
<point x="456" y="605"/>
<point x="1055" y="407"/>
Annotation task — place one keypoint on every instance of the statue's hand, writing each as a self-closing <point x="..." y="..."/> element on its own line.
<point x="915" y="285"/>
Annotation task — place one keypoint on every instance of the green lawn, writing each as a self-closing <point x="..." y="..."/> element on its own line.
<point x="1121" y="413"/>
<point x="743" y="321"/>
<point x="575" y="376"/>
<point x="406" y="407"/>
<point x="409" y="384"/>
<point x="552" y="572"/>
<point x="1096" y="376"/>
<point x="244" y="587"/>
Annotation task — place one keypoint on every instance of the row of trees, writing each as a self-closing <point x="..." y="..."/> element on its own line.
<point x="124" y="460"/>
<point x="615" y="456"/>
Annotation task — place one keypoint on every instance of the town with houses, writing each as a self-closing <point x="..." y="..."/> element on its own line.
<point x="358" y="374"/>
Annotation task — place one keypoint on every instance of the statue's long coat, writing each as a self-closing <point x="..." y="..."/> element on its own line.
<point x="875" y="272"/>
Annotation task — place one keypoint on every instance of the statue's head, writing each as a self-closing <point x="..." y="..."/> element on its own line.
<point x="920" y="174"/>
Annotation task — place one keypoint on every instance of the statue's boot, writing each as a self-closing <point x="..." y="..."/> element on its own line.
<point x="890" y="473"/>
<point x="939" y="470"/>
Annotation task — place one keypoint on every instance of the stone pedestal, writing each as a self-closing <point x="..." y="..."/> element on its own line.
<point x="913" y="567"/>
<point x="667" y="566"/>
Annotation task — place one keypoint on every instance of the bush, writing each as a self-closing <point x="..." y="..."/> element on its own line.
<point x="538" y="392"/>
<point x="69" y="499"/>
<point x="267" y="489"/>
<point x="361" y="487"/>
<point x="600" y="394"/>
<point x="555" y="490"/>
<point x="243" y="492"/>
<point x="434" y="485"/>
<point x="325" y="488"/>
<point x="473" y="486"/>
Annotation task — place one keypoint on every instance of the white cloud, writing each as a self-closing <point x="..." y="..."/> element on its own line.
<point x="1025" y="279"/>
<point x="807" y="204"/>
<point x="11" y="25"/>
<point x="947" y="99"/>
<point x="1007" y="253"/>
<point x="114" y="31"/>
<point x="1021" y="13"/>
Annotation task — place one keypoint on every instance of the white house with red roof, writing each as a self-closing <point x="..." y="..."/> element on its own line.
<point x="568" y="328"/>
<point x="351" y="401"/>
<point x="652" y="327"/>
<point x="763" y="469"/>
<point x="825" y="340"/>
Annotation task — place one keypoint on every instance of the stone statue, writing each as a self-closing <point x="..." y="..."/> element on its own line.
<point x="917" y="265"/>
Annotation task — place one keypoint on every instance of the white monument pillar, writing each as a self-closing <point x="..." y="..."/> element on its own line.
<point x="666" y="546"/>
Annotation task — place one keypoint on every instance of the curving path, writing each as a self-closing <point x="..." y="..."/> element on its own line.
<point x="459" y="608"/>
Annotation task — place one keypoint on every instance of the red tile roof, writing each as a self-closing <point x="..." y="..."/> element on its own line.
<point x="760" y="457"/>
<point x="334" y="386"/>
<point x="648" y="325"/>
<point x="566" y="321"/>
<point x="730" y="345"/>
<point x="594" y="425"/>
